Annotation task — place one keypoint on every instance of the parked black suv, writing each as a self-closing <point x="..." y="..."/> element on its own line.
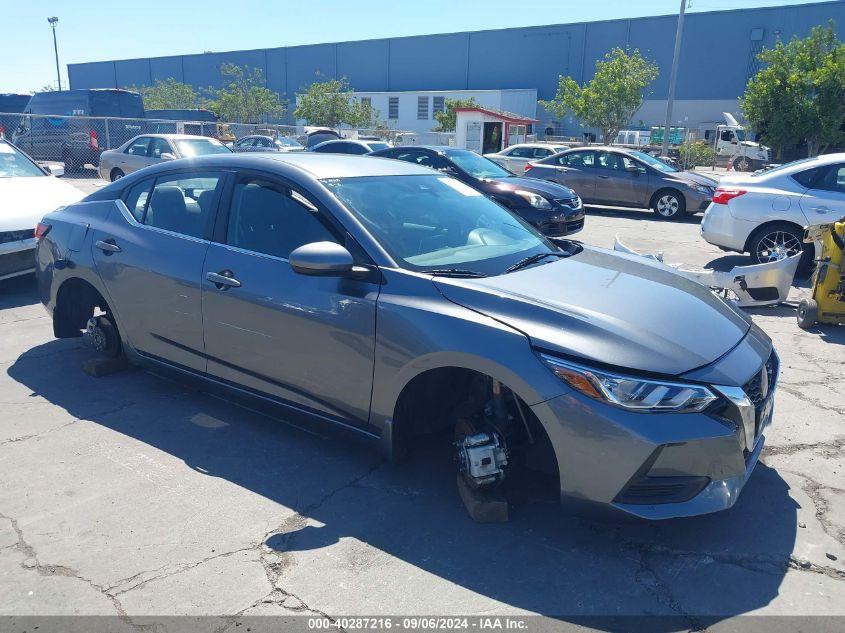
<point x="553" y="209"/>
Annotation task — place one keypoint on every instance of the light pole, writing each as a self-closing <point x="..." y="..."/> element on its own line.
<point x="53" y="21"/>
<point x="673" y="75"/>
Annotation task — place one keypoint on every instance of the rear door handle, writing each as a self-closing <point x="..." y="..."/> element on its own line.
<point x="604" y="177"/>
<point x="107" y="246"/>
<point x="821" y="209"/>
<point x="223" y="280"/>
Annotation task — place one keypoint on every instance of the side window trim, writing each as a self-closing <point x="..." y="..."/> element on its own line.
<point x="224" y="209"/>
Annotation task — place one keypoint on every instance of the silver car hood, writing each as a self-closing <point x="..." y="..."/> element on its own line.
<point x="608" y="308"/>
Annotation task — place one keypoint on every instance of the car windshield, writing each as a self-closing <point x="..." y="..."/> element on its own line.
<point x="435" y="222"/>
<point x="376" y="145"/>
<point x="475" y="165"/>
<point x="651" y="161"/>
<point x="200" y="147"/>
<point x="740" y="134"/>
<point x="287" y="141"/>
<point x="14" y="164"/>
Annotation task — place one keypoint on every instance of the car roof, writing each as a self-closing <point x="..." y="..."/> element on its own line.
<point x="341" y="140"/>
<point x="603" y="148"/>
<point x="179" y="137"/>
<point x="430" y="148"/>
<point x="319" y="166"/>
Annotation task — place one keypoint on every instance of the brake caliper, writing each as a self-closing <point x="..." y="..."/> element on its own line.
<point x="482" y="458"/>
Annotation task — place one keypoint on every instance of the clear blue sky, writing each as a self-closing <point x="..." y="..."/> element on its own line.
<point x="92" y="30"/>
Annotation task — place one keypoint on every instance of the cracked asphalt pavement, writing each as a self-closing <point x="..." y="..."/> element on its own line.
<point x="139" y="497"/>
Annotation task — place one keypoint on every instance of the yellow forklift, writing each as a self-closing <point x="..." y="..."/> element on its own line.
<point x="827" y="304"/>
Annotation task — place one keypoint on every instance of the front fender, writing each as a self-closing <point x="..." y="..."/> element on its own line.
<point x="418" y="329"/>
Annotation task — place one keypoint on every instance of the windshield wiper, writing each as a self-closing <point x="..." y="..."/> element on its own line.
<point x="454" y="272"/>
<point x="532" y="259"/>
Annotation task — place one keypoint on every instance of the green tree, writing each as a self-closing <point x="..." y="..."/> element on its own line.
<point x="331" y="103"/>
<point x="244" y="98"/>
<point x="447" y="119"/>
<point x="609" y="101"/>
<point x="168" y="94"/>
<point x="799" y="96"/>
<point x="694" y="153"/>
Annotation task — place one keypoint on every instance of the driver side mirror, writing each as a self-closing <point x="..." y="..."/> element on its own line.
<point x="56" y="170"/>
<point x="635" y="170"/>
<point x="167" y="156"/>
<point x="448" y="170"/>
<point x="322" y="259"/>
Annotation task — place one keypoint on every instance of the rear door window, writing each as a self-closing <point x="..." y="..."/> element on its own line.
<point x="577" y="159"/>
<point x="139" y="146"/>
<point x="182" y="203"/>
<point x="833" y="179"/>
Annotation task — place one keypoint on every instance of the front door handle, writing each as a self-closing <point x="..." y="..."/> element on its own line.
<point x="604" y="177"/>
<point x="107" y="246"/>
<point x="223" y="280"/>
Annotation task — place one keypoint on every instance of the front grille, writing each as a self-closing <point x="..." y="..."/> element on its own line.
<point x="754" y="388"/>
<point x="573" y="203"/>
<point x="16" y="236"/>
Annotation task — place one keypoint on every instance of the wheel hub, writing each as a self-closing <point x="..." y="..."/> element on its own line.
<point x="667" y="205"/>
<point x="777" y="246"/>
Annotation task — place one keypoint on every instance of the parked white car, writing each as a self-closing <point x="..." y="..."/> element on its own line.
<point x="516" y="157"/>
<point x="764" y="213"/>
<point x="27" y="193"/>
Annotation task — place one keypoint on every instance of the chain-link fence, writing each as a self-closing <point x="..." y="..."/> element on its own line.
<point x="78" y="141"/>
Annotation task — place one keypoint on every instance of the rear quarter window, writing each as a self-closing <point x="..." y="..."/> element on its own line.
<point x="808" y="177"/>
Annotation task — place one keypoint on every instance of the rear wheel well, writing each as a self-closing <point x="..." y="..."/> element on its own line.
<point x="432" y="402"/>
<point x="76" y="302"/>
<point x="766" y="226"/>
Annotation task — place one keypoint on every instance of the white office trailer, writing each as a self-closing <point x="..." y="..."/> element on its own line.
<point x="485" y="130"/>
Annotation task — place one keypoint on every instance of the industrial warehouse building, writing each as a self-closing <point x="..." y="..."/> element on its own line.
<point x="408" y="78"/>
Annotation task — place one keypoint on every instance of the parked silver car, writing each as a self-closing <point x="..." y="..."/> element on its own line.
<point x="398" y="302"/>
<point x="516" y="157"/>
<point x="150" y="149"/>
<point x="262" y="143"/>
<point x="615" y="176"/>
<point x="349" y="146"/>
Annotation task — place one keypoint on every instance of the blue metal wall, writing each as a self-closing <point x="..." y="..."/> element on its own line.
<point x="715" y="62"/>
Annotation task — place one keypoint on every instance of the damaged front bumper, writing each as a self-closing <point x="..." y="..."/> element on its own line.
<point x="749" y="286"/>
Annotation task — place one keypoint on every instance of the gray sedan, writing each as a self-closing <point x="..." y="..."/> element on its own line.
<point x="150" y="149"/>
<point x="627" y="178"/>
<point x="399" y="303"/>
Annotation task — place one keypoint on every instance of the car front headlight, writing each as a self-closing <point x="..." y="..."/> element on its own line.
<point x="534" y="199"/>
<point x="631" y="392"/>
<point x="702" y="189"/>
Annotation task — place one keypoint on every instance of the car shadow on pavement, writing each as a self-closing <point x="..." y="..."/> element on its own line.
<point x="18" y="292"/>
<point x="640" y="214"/>
<point x="693" y="571"/>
